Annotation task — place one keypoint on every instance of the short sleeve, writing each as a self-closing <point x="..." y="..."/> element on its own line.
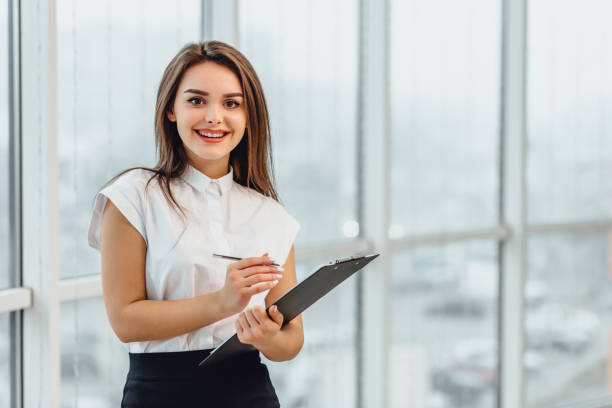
<point x="127" y="194"/>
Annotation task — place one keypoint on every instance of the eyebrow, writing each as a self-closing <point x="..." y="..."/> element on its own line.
<point x="204" y="93"/>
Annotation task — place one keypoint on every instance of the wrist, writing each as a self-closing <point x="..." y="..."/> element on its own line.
<point x="271" y="346"/>
<point x="221" y="309"/>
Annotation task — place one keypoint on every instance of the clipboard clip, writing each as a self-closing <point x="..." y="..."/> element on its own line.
<point x="342" y="260"/>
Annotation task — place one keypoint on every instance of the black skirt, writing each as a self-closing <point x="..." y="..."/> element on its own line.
<point x="175" y="380"/>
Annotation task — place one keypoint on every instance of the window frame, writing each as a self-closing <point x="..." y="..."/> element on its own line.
<point x="16" y="298"/>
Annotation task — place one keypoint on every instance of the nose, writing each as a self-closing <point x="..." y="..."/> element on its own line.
<point x="212" y="114"/>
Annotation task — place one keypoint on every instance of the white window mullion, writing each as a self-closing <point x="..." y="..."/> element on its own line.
<point x="500" y="233"/>
<point x="220" y="21"/>
<point x="375" y="175"/>
<point x="512" y="276"/>
<point x="80" y="288"/>
<point x="41" y="352"/>
<point x="12" y="300"/>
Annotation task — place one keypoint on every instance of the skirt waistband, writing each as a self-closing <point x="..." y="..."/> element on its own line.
<point x="184" y="364"/>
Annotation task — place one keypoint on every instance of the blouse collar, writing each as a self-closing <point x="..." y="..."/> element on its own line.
<point x="201" y="181"/>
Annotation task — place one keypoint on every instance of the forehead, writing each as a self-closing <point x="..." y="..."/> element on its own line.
<point x="210" y="77"/>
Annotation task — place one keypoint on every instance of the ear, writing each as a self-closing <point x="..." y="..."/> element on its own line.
<point x="171" y="116"/>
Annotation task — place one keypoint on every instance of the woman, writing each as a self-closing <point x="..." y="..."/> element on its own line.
<point x="211" y="192"/>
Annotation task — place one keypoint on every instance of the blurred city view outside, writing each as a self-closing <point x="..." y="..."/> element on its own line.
<point x="445" y="89"/>
<point x="444" y="106"/>
<point x="569" y="173"/>
<point x="445" y="95"/>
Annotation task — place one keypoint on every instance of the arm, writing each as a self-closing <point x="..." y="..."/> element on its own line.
<point x="134" y="318"/>
<point x="266" y="334"/>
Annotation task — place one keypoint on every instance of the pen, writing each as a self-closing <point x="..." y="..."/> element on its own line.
<point x="233" y="258"/>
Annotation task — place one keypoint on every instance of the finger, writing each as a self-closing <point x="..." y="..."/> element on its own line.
<point x="239" y="328"/>
<point x="243" y="332"/>
<point x="246" y="262"/>
<point x="276" y="315"/>
<point x="270" y="277"/>
<point x="244" y="322"/>
<point x="260" y="314"/>
<point x="253" y="322"/>
<point x="255" y="289"/>
<point x="267" y="260"/>
<point x="254" y="270"/>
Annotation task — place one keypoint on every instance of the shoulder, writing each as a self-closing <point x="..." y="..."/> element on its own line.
<point x="265" y="206"/>
<point x="126" y="193"/>
<point x="136" y="177"/>
<point x="135" y="181"/>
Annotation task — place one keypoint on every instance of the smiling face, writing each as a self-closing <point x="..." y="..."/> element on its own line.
<point x="210" y="116"/>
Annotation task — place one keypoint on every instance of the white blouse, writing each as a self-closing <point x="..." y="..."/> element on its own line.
<point x="222" y="217"/>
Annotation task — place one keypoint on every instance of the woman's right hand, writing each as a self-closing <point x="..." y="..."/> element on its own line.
<point x="246" y="278"/>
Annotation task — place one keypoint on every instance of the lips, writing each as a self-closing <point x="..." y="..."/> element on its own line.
<point x="211" y="136"/>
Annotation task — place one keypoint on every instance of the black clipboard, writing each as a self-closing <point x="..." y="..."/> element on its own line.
<point x="298" y="299"/>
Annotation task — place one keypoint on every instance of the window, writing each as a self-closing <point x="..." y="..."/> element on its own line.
<point x="569" y="278"/>
<point x="444" y="108"/>
<point x="569" y="94"/>
<point x="568" y="307"/>
<point x="306" y="59"/>
<point x="93" y="362"/>
<point x="443" y="326"/>
<point x="446" y="84"/>
<point x="444" y="102"/>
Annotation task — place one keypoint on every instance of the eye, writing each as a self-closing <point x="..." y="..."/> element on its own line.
<point x="231" y="104"/>
<point x="195" y="101"/>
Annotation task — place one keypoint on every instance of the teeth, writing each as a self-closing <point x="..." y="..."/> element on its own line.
<point x="211" y="135"/>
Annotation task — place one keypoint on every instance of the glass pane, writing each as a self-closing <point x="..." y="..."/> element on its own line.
<point x="307" y="59"/>
<point x="94" y="364"/>
<point x="4" y="148"/>
<point x="324" y="373"/>
<point x="5" y="360"/>
<point x="443" y="326"/>
<point x="568" y="318"/>
<point x="569" y="98"/>
<point x="444" y="93"/>
<point x="111" y="56"/>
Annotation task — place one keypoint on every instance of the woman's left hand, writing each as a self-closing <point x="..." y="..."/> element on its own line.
<point x="255" y="327"/>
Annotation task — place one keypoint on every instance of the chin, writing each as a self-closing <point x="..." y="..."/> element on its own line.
<point x="206" y="154"/>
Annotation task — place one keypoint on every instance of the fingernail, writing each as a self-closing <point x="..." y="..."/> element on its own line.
<point x="274" y="282"/>
<point x="279" y="276"/>
<point x="274" y="308"/>
<point x="280" y="269"/>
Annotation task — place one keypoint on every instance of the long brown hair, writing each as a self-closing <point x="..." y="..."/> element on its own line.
<point x="251" y="159"/>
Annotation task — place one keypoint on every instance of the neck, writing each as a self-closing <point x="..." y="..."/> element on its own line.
<point x="213" y="169"/>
